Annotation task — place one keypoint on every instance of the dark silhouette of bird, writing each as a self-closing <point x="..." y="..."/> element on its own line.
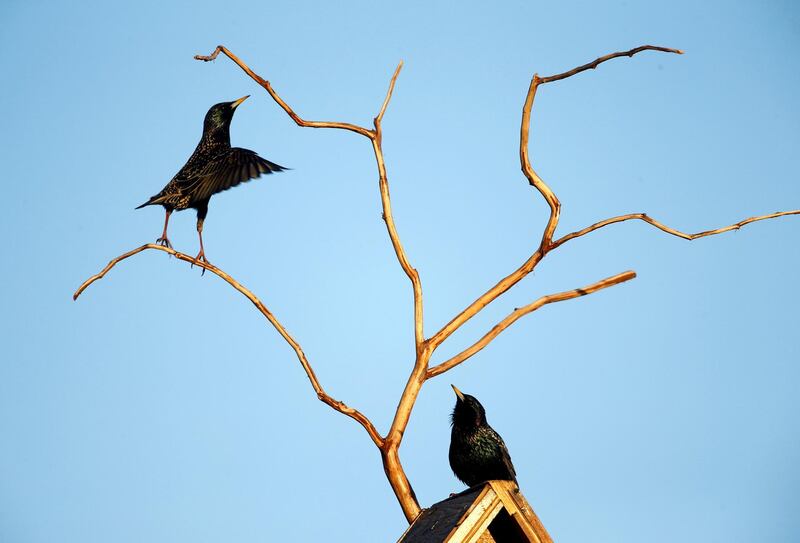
<point x="477" y="452"/>
<point x="213" y="167"/>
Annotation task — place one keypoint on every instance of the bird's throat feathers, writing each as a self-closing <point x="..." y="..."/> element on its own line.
<point x="216" y="135"/>
<point x="217" y="124"/>
<point x="468" y="413"/>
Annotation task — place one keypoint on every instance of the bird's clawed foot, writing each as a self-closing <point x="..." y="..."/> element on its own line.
<point x="201" y="257"/>
<point x="164" y="242"/>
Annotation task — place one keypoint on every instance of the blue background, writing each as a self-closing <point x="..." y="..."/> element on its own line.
<point x="162" y="407"/>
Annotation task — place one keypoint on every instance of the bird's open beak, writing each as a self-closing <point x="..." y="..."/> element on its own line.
<point x="458" y="393"/>
<point x="235" y="104"/>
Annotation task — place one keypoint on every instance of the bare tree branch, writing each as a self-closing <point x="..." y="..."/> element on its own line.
<point x="547" y="193"/>
<point x="485" y="299"/>
<point x="264" y="83"/>
<point x="386" y="202"/>
<point x="321" y="394"/>
<point x="375" y="137"/>
<point x="649" y="220"/>
<point x="596" y="62"/>
<point x="521" y="312"/>
<point x="389" y="92"/>
<point x="528" y="171"/>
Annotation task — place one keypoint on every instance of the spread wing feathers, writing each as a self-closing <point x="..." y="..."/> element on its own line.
<point x="235" y="166"/>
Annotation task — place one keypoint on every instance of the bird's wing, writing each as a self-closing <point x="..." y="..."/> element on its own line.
<point x="507" y="461"/>
<point x="506" y="456"/>
<point x="227" y="170"/>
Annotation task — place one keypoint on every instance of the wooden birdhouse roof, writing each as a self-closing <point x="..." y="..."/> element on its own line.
<point x="495" y="511"/>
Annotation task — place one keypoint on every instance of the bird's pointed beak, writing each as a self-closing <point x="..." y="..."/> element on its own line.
<point x="458" y="393"/>
<point x="235" y="104"/>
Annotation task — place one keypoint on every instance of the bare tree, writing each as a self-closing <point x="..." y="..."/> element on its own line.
<point x="421" y="371"/>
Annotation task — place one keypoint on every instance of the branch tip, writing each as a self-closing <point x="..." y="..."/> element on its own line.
<point x="392" y="81"/>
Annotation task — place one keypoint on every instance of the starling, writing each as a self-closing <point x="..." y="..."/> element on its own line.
<point x="477" y="452"/>
<point x="213" y="167"/>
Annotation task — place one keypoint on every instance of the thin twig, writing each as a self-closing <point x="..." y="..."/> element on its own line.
<point x="389" y="92"/>
<point x="644" y="217"/>
<point x="595" y="63"/>
<point x="266" y="84"/>
<point x="521" y="312"/>
<point x="321" y="394"/>
<point x="388" y="217"/>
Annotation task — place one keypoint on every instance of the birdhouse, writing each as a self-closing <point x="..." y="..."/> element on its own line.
<point x="495" y="511"/>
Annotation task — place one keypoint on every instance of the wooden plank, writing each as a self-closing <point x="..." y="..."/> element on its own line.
<point x="476" y="520"/>
<point x="521" y="511"/>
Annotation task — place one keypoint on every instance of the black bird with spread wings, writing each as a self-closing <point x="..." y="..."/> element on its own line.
<point x="477" y="452"/>
<point x="213" y="167"/>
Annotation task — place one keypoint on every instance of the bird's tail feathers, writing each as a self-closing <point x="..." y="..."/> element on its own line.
<point x="153" y="201"/>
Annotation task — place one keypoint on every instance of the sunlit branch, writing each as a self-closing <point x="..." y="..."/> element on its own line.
<point x="546" y="243"/>
<point x="266" y="85"/>
<point x="389" y="92"/>
<point x="531" y="175"/>
<point x="375" y="137"/>
<point x="649" y="220"/>
<point x="521" y="312"/>
<point x="321" y="394"/>
<point x="410" y="271"/>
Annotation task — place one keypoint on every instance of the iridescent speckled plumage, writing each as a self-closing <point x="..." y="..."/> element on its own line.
<point x="477" y="452"/>
<point x="213" y="167"/>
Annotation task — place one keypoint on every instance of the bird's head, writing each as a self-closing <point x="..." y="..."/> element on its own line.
<point x="468" y="410"/>
<point x="220" y="115"/>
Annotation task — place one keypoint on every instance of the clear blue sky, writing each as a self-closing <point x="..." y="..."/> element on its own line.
<point x="161" y="407"/>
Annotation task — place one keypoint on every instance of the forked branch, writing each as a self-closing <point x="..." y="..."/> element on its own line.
<point x="264" y="83"/>
<point x="546" y="243"/>
<point x="525" y="310"/>
<point x="375" y="137"/>
<point x="321" y="394"/>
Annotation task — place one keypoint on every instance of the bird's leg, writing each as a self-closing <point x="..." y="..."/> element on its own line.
<point x="202" y="211"/>
<point x="201" y="256"/>
<point x="163" y="239"/>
